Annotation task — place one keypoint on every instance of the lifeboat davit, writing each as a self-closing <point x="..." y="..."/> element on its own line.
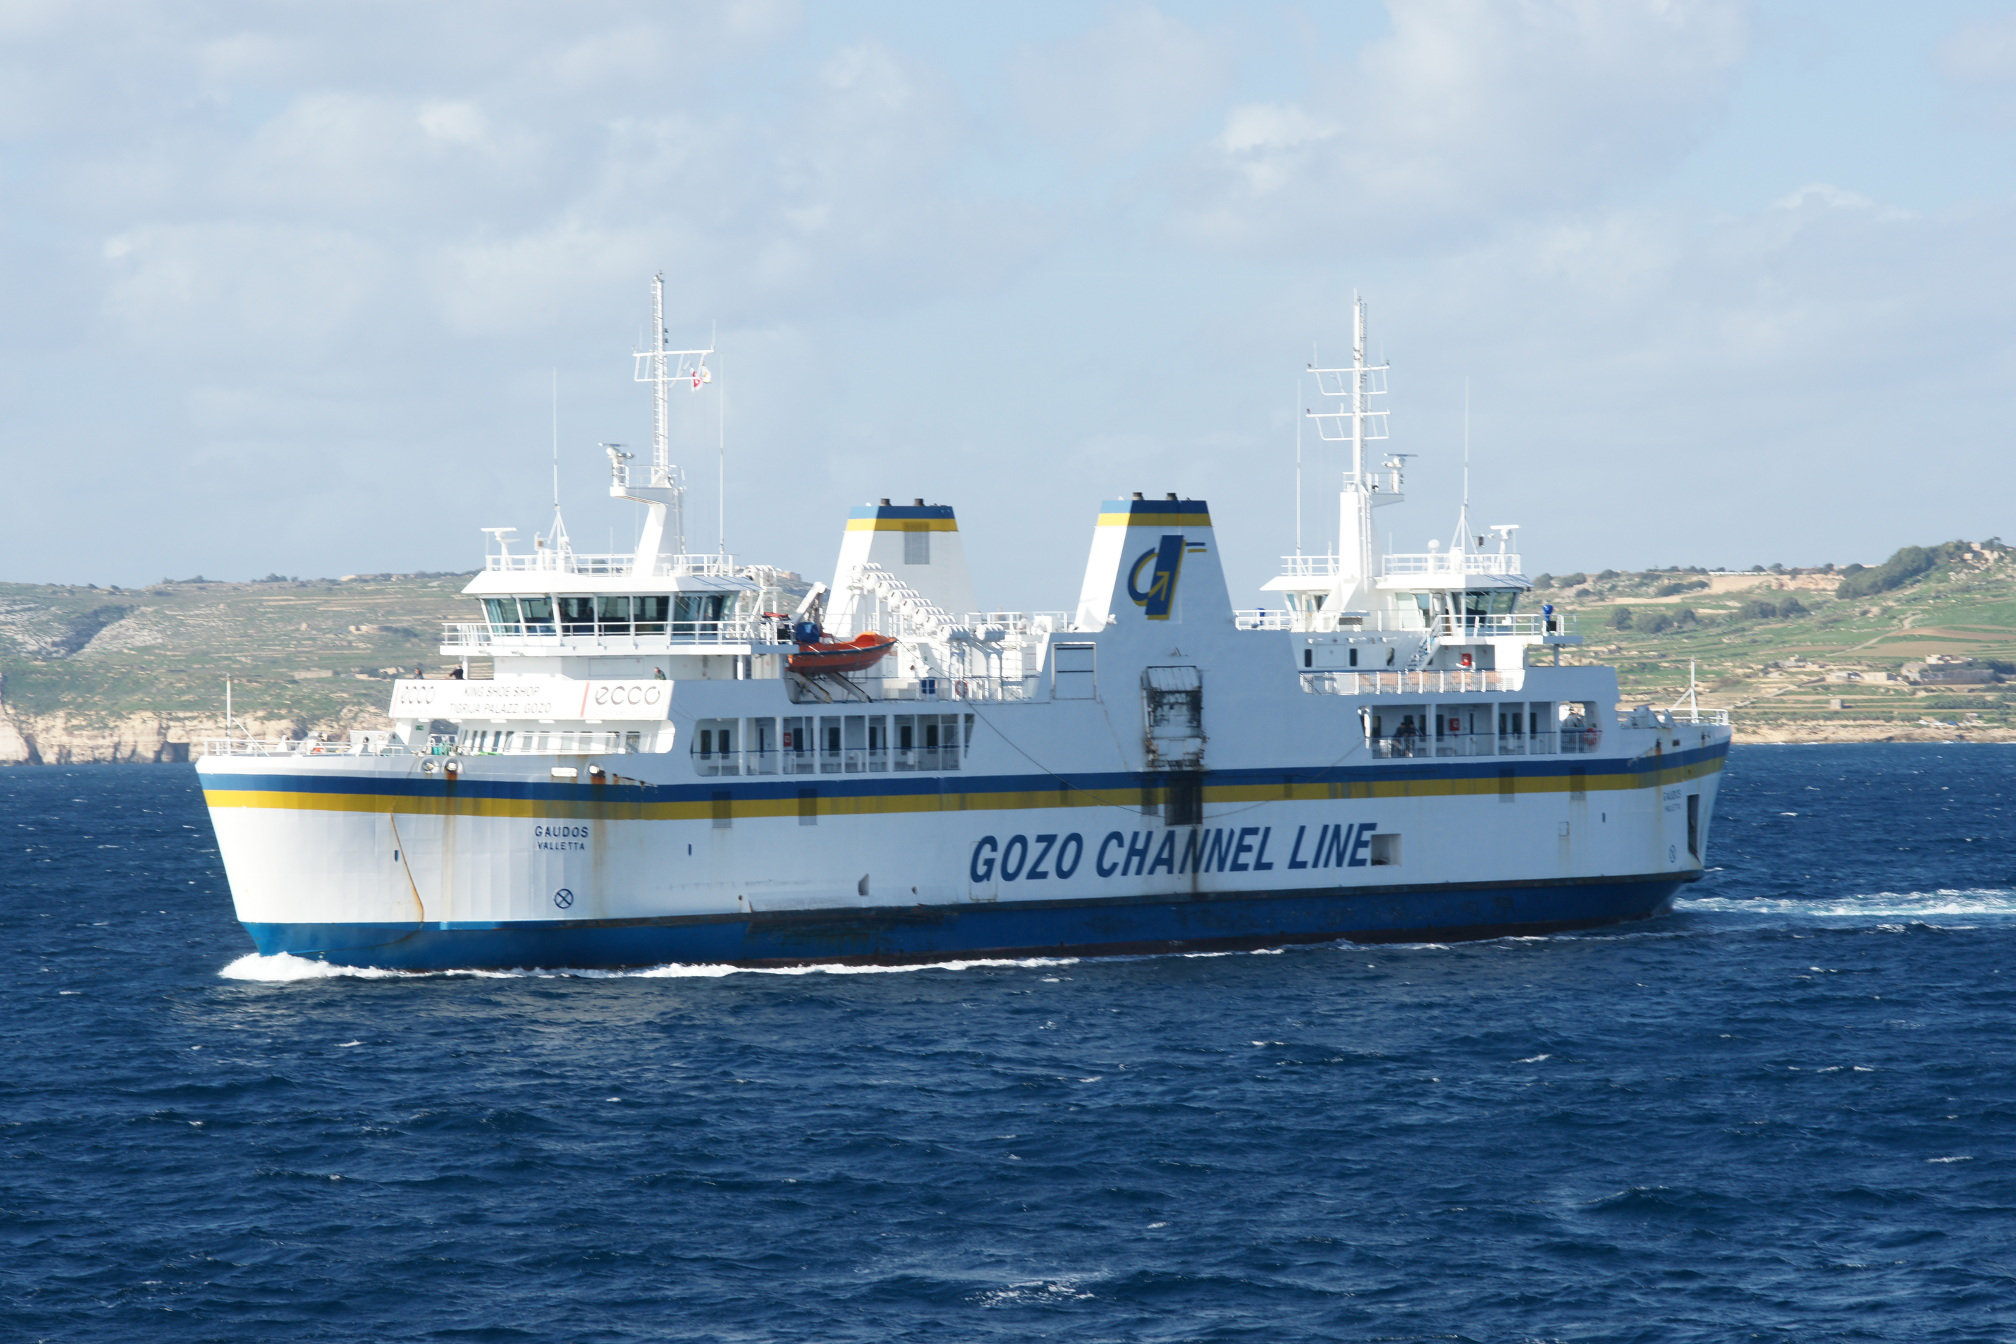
<point x="827" y="658"/>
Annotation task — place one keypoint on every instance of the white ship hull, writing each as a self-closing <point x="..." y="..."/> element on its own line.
<point x="506" y="867"/>
<point x="660" y="770"/>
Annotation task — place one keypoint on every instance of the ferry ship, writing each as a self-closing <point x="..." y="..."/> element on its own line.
<point x="681" y="758"/>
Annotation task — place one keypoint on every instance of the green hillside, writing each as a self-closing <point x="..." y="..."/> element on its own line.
<point x="91" y="673"/>
<point x="1812" y="653"/>
<point x="313" y="652"/>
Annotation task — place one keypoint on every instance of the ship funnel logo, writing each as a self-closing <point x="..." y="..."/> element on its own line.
<point x="1167" y="558"/>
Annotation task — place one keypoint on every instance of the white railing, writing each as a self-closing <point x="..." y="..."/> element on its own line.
<point x="515" y="742"/>
<point x="899" y="609"/>
<point x="1327" y="622"/>
<point x="1021" y="622"/>
<point x="1697" y="714"/>
<point x="476" y="636"/>
<point x="365" y="743"/>
<point x="1262" y="619"/>
<point x="1449" y="562"/>
<point x="1520" y="625"/>
<point x="612" y="563"/>
<point x="1309" y="566"/>
<point x="1373" y="482"/>
<point x="1429" y="681"/>
<point x="548" y="742"/>
<point x="1426" y="746"/>
<point x="847" y="761"/>
<point x="927" y="689"/>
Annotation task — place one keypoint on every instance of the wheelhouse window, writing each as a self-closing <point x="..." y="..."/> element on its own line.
<point x="577" y="615"/>
<point x="649" y="613"/>
<point x="698" y="614"/>
<point x="537" y="613"/>
<point x="612" y="614"/>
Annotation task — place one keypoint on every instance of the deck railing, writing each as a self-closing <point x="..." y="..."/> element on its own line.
<point x="1449" y="562"/>
<point x="477" y="636"/>
<point x="1428" y="681"/>
<point x="611" y="563"/>
<point x="358" y="744"/>
<point x="1420" y="746"/>
<point x="1328" y="622"/>
<point x="516" y="742"/>
<point x="1520" y="625"/>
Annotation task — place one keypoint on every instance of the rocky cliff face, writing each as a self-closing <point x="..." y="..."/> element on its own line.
<point x="64" y="739"/>
<point x="120" y="674"/>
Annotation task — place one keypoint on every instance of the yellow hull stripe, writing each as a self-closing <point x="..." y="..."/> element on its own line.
<point x="612" y="807"/>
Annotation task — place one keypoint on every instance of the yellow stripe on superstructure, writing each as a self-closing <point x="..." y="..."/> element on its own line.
<point x="1154" y="520"/>
<point x="902" y="524"/>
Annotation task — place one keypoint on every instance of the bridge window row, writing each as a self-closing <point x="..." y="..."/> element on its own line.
<point x="831" y="744"/>
<point x="609" y="614"/>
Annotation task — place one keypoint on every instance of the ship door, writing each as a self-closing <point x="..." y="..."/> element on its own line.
<point x="1694" y="826"/>
<point x="1172" y="701"/>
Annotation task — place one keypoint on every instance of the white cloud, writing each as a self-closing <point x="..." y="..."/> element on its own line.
<point x="1117" y="85"/>
<point x="1981" y="52"/>
<point x="374" y="248"/>
<point x="1470" y="111"/>
<point x="454" y="123"/>
<point x="188" y="289"/>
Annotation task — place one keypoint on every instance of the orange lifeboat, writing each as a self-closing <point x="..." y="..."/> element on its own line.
<point x="827" y="659"/>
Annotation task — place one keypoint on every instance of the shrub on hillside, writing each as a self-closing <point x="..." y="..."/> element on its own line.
<point x="1763" y="609"/>
<point x="1620" y="618"/>
<point x="1906" y="566"/>
<point x="1679" y="586"/>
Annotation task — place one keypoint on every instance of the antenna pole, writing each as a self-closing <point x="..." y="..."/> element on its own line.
<point x="1295" y="410"/>
<point x="661" y="388"/>
<point x="1361" y="500"/>
<point x="1463" y="514"/>
<point x="1358" y="387"/>
<point x="661" y="407"/>
<point x="721" y="469"/>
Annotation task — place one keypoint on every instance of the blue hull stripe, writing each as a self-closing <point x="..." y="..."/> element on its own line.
<point x="219" y="777"/>
<point x="1013" y="929"/>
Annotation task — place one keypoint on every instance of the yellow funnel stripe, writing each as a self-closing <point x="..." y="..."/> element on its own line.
<point x="902" y="525"/>
<point x="1154" y="520"/>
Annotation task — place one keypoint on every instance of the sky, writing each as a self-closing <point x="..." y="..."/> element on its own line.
<point x="307" y="288"/>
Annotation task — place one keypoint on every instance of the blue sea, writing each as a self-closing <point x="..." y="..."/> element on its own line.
<point x="1785" y="1112"/>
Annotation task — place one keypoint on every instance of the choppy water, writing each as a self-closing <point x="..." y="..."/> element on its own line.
<point x="1785" y="1112"/>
